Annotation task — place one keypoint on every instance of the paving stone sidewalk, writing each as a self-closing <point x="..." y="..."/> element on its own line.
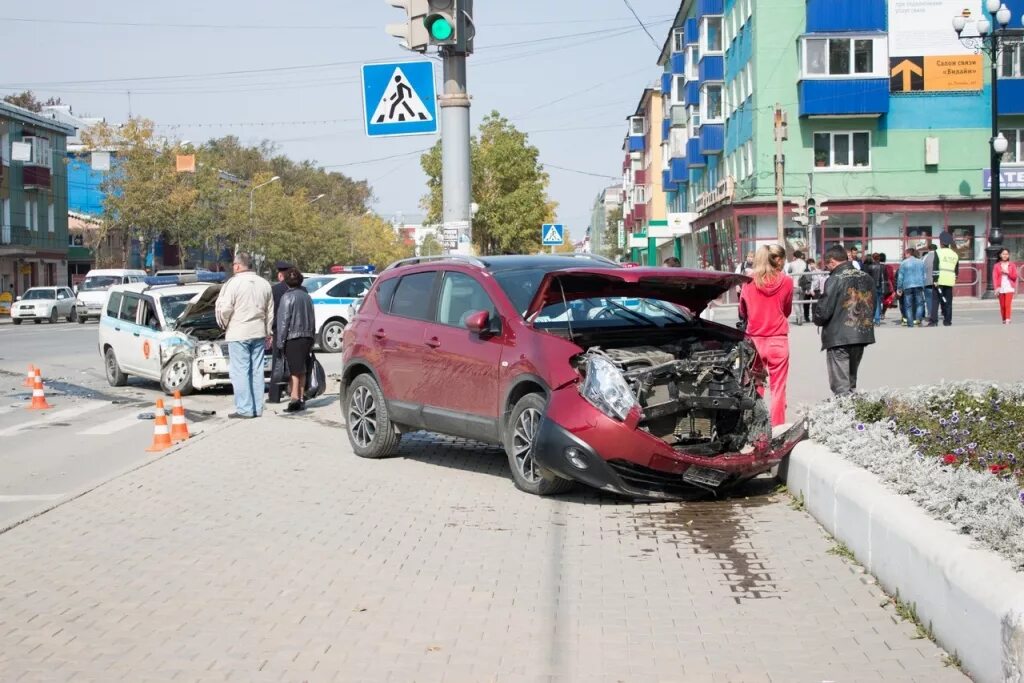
<point x="268" y="551"/>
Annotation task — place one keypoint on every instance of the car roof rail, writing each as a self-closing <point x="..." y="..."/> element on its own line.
<point x="592" y="257"/>
<point x="416" y="260"/>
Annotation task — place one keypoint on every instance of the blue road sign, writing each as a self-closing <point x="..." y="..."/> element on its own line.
<point x="399" y="99"/>
<point x="552" y="234"/>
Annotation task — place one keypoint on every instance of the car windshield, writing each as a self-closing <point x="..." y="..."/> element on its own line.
<point x="312" y="284"/>
<point x="99" y="283"/>
<point x="521" y="286"/>
<point x="173" y="305"/>
<point x="40" y="294"/>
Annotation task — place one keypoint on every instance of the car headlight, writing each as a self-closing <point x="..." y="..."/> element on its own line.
<point x="206" y="350"/>
<point x="606" y="389"/>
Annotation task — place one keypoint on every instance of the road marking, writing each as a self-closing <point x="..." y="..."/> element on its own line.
<point x="31" y="497"/>
<point x="58" y="416"/>
<point x="115" y="425"/>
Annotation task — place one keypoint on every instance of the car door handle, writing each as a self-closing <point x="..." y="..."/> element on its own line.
<point x="433" y="342"/>
<point x="136" y="334"/>
<point x="379" y="335"/>
<point x="117" y="329"/>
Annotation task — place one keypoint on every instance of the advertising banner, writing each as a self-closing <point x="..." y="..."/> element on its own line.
<point x="925" y="54"/>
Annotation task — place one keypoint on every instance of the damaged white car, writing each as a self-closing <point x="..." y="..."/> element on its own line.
<point x="165" y="333"/>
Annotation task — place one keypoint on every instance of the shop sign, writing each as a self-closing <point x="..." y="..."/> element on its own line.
<point x="723" y="192"/>
<point x="925" y="54"/>
<point x="1009" y="179"/>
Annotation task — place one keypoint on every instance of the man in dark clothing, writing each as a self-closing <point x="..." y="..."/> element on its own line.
<point x="874" y="268"/>
<point x="276" y="363"/>
<point x="931" y="292"/>
<point x="845" y="313"/>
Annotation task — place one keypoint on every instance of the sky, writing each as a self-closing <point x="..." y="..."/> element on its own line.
<point x="568" y="72"/>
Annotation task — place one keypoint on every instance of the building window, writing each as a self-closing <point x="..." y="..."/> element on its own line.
<point x="5" y="148"/>
<point x="692" y="61"/>
<point x="637" y="125"/>
<point x="50" y="226"/>
<point x="842" y="150"/>
<point x="678" y="89"/>
<point x="711" y="35"/>
<point x="1010" y="62"/>
<point x="1013" y="136"/>
<point x="678" y="40"/>
<point x="857" y="57"/>
<point x="711" y="103"/>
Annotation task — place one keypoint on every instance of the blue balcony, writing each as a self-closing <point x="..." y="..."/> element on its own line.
<point x="691" y="32"/>
<point x="846" y="97"/>
<point x="1011" y="95"/>
<point x="711" y="68"/>
<point x="666" y="83"/>
<point x="825" y="16"/>
<point x="692" y="96"/>
<point x="666" y="181"/>
<point x="694" y="159"/>
<point x="666" y="127"/>
<point x="712" y="138"/>
<point x="677" y="62"/>
<point x="636" y="143"/>
<point x="710" y="8"/>
<point x="679" y="171"/>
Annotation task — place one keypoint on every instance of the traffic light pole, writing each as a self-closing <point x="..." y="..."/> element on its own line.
<point x="456" y="171"/>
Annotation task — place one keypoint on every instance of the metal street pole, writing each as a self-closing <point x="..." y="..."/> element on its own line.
<point x="780" y="165"/>
<point x="995" y="236"/>
<point x="456" y="172"/>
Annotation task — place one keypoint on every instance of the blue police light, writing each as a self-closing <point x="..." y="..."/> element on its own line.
<point x="204" y="276"/>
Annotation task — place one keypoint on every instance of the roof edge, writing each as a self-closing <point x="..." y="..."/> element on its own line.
<point x="26" y="116"/>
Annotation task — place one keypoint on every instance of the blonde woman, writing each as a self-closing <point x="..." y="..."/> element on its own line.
<point x="765" y="305"/>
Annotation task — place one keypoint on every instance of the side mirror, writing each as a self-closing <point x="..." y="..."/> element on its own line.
<point x="479" y="322"/>
<point x="17" y="298"/>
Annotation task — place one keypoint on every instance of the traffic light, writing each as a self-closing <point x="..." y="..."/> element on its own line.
<point x="413" y="32"/>
<point x="442" y="22"/>
<point x="812" y="211"/>
<point x="800" y="211"/>
<point x="821" y="212"/>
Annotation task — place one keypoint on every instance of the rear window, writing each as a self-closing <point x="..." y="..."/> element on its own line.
<point x="113" y="303"/>
<point x="413" y="297"/>
<point x="129" y="308"/>
<point x="351" y="288"/>
<point x="386" y="290"/>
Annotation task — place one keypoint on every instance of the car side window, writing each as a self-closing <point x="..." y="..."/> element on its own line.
<point x="386" y="290"/>
<point x="414" y="297"/>
<point x="114" y="303"/>
<point x="349" y="289"/>
<point x="61" y="295"/>
<point x="149" y="316"/>
<point x="460" y="296"/>
<point x="129" y="308"/>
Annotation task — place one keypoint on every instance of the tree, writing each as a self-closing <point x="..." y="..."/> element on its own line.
<point x="509" y="185"/>
<point x="611" y="234"/>
<point x="431" y="246"/>
<point x="28" y="100"/>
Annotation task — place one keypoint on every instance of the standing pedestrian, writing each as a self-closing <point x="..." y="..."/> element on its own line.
<point x="949" y="269"/>
<point x="876" y="269"/>
<point x="910" y="283"/>
<point x="293" y="335"/>
<point x="245" y="310"/>
<point x="796" y="269"/>
<point x="931" y="291"/>
<point x="845" y="313"/>
<point x="806" y="286"/>
<point x="1004" y="281"/>
<point x="277" y="374"/>
<point x="766" y="304"/>
<point x="854" y="256"/>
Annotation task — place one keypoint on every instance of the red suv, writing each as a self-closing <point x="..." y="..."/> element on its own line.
<point x="582" y="370"/>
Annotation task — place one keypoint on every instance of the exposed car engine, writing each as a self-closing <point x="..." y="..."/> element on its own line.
<point x="700" y="396"/>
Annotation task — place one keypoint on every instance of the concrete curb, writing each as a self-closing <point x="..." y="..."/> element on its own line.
<point x="972" y="599"/>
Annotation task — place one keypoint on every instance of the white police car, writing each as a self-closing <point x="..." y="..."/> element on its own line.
<point x="332" y="306"/>
<point x="167" y="333"/>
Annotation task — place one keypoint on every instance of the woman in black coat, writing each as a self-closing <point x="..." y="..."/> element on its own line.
<point x="293" y="334"/>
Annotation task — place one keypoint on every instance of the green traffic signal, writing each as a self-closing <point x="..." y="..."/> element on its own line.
<point x="812" y="212"/>
<point x="440" y="28"/>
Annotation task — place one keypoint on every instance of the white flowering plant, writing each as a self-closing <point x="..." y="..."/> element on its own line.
<point x="955" y="449"/>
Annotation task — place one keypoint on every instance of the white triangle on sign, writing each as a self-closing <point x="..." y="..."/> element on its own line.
<point x="400" y="103"/>
<point x="552" y="235"/>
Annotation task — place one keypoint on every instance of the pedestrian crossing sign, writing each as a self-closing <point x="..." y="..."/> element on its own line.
<point x="552" y="234"/>
<point x="399" y="99"/>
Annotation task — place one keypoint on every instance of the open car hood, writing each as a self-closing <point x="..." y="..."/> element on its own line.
<point x="200" y="309"/>
<point x="693" y="289"/>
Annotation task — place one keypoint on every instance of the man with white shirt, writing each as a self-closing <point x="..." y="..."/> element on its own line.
<point x="245" y="310"/>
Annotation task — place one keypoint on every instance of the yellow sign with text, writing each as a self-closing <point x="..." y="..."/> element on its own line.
<point x="955" y="72"/>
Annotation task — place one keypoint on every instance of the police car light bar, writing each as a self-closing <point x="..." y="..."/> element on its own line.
<point x="352" y="269"/>
<point x="191" y="278"/>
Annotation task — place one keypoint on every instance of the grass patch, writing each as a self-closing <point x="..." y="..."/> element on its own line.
<point x="840" y="549"/>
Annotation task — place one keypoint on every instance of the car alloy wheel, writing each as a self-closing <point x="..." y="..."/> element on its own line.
<point x="177" y="372"/>
<point x="522" y="444"/>
<point x="176" y="375"/>
<point x="362" y="417"/>
<point x="520" y="441"/>
<point x="332" y="336"/>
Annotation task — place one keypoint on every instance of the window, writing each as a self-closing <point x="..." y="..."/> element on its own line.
<point x="678" y="89"/>
<point x="711" y="35"/>
<point x="963" y="241"/>
<point x="5" y="148"/>
<point x="639" y="194"/>
<point x="386" y="290"/>
<point x="113" y="303"/>
<point x="1014" y="136"/>
<point x="824" y="57"/>
<point x="839" y="56"/>
<point x="49" y="217"/>
<point x="1011" y="61"/>
<point x="350" y="288"/>
<point x="711" y="104"/>
<point x="637" y="125"/>
<point x="678" y="40"/>
<point x="129" y="307"/>
<point x="749" y="152"/>
<point x="863" y="56"/>
<point x="149" y="316"/>
<point x="692" y="62"/>
<point x="842" y="150"/>
<point x="413" y="297"/>
<point x="814" y="56"/>
<point x="461" y="295"/>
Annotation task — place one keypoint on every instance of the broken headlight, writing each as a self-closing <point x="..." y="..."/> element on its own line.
<point x="606" y="388"/>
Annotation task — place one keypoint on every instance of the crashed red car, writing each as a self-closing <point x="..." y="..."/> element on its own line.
<point x="582" y="370"/>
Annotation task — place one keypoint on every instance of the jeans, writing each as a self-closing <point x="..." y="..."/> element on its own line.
<point x="774" y="353"/>
<point x="913" y="304"/>
<point x="843" y="364"/>
<point x="931" y="298"/>
<point x="246" y="371"/>
<point x="878" y="306"/>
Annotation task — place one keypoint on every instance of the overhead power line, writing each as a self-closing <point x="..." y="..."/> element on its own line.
<point x="573" y="170"/>
<point x="641" y="22"/>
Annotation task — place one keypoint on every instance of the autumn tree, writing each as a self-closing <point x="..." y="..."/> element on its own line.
<point x="431" y="246"/>
<point x="28" y="100"/>
<point x="611" y="234"/>
<point x="509" y="185"/>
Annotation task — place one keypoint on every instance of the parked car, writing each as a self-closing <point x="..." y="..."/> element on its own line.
<point x="44" y="303"/>
<point x="91" y="294"/>
<point x="166" y="333"/>
<point x="583" y="370"/>
<point x="332" y="303"/>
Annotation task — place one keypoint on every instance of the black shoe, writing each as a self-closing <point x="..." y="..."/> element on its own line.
<point x="239" y="416"/>
<point x="293" y="407"/>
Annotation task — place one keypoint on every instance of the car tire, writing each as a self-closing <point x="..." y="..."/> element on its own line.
<point x="331" y="336"/>
<point x="38" y="321"/>
<point x="73" y="315"/>
<point x="16" y="321"/>
<point x="82" y="319"/>
<point x="54" y="316"/>
<point x="176" y="375"/>
<point x="369" y="427"/>
<point x="519" y="437"/>
<point x="115" y="377"/>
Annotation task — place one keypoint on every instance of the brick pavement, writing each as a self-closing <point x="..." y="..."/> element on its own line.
<point x="228" y="560"/>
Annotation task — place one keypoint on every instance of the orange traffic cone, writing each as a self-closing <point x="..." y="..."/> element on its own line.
<point x="179" y="427"/>
<point x="161" y="434"/>
<point x="30" y="377"/>
<point x="38" y="397"/>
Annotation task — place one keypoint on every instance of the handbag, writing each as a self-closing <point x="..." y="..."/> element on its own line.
<point x="316" y="378"/>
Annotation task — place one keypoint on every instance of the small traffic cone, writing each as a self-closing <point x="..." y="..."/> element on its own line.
<point x="38" y="396"/>
<point x="179" y="427"/>
<point x="161" y="434"/>
<point x="30" y="377"/>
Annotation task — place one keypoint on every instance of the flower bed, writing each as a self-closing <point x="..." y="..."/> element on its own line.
<point x="957" y="450"/>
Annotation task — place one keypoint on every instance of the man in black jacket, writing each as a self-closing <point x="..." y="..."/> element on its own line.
<point x="845" y="313"/>
<point x="278" y="377"/>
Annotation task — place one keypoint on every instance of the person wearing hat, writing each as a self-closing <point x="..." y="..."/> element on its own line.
<point x="949" y="268"/>
<point x="278" y="378"/>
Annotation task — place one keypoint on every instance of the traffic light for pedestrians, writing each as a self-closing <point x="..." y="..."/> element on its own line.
<point x="412" y="32"/>
<point x="812" y="211"/>
<point x="442" y="22"/>
<point x="800" y="211"/>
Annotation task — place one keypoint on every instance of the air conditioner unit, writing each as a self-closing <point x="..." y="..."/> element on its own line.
<point x="41" y="154"/>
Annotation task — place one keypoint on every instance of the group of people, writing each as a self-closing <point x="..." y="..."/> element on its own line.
<point x="256" y="318"/>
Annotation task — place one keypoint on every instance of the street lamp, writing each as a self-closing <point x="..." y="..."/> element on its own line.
<point x="990" y="41"/>
<point x="251" y="192"/>
<point x="316" y="198"/>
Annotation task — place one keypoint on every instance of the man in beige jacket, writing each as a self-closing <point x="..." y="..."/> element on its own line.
<point x="245" y="310"/>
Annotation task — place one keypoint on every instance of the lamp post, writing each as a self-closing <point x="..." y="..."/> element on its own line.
<point x="251" y="193"/>
<point x="317" y="198"/>
<point x="989" y="41"/>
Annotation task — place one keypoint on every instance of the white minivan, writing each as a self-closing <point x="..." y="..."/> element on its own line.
<point x="92" y="293"/>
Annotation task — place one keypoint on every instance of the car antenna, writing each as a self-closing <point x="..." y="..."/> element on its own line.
<point x="568" y="313"/>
